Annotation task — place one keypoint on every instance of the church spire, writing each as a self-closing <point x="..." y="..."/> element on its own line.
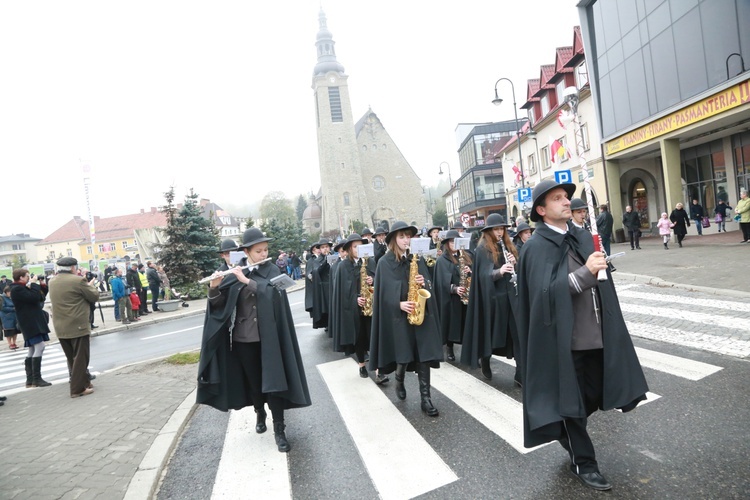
<point x="326" y="51"/>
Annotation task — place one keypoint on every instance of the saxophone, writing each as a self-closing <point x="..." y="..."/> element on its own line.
<point x="416" y="294"/>
<point x="465" y="279"/>
<point x="365" y="290"/>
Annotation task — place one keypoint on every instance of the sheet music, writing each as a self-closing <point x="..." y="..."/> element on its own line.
<point x="462" y="243"/>
<point x="419" y="245"/>
<point x="331" y="259"/>
<point x="235" y="257"/>
<point x="365" y="251"/>
<point x="282" y="282"/>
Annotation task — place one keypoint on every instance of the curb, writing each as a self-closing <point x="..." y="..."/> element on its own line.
<point x="136" y="325"/>
<point x="146" y="478"/>
<point x="653" y="280"/>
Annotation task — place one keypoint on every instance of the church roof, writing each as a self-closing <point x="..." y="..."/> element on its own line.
<point x="326" y="52"/>
<point x="361" y="122"/>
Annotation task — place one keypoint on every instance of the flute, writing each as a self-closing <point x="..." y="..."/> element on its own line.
<point x="220" y="274"/>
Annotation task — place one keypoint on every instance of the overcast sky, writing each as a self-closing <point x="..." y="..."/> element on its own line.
<point x="217" y="95"/>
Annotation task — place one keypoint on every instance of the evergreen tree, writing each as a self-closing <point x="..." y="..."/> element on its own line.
<point x="301" y="206"/>
<point x="189" y="253"/>
<point x="440" y="218"/>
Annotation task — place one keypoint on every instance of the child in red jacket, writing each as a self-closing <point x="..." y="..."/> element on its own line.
<point x="136" y="305"/>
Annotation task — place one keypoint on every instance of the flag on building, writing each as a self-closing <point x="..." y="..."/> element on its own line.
<point x="558" y="152"/>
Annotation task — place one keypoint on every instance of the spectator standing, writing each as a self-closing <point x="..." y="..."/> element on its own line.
<point x="632" y="222"/>
<point x="165" y="285"/>
<point x="28" y="299"/>
<point x="4" y="281"/>
<point x="665" y="229"/>
<point x="681" y="222"/>
<point x="722" y="212"/>
<point x="153" y="283"/>
<point x="133" y="281"/>
<point x="108" y="271"/>
<point x="122" y="298"/>
<point x="71" y="297"/>
<point x="8" y="319"/>
<point x="143" y="296"/>
<point x="296" y="263"/>
<point x="604" y="223"/>
<point x="743" y="210"/>
<point x="697" y="213"/>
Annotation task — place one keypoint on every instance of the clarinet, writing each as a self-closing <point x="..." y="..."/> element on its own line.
<point x="506" y="255"/>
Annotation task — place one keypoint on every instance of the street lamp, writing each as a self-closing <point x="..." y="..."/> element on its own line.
<point x="448" y="168"/>
<point x="497" y="101"/>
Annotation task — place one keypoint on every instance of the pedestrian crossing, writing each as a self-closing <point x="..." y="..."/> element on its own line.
<point x="251" y="462"/>
<point x="13" y="372"/>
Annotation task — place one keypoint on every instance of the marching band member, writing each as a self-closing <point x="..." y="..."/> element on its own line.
<point x="249" y="351"/>
<point x="523" y="233"/>
<point x="378" y="244"/>
<point x="490" y="320"/>
<point x="396" y="344"/>
<point x="449" y="291"/>
<point x="338" y="248"/>
<point x="434" y="234"/>
<point x="577" y="355"/>
<point x="367" y="235"/>
<point x="227" y="246"/>
<point x="579" y="214"/>
<point x="321" y="286"/>
<point x="310" y="266"/>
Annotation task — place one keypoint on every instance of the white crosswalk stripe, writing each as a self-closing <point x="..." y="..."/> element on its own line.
<point x="251" y="462"/>
<point x="13" y="372"/>
<point x="681" y="302"/>
<point x="687" y="315"/>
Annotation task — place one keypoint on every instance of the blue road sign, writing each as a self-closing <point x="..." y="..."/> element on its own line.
<point x="524" y="195"/>
<point x="563" y="176"/>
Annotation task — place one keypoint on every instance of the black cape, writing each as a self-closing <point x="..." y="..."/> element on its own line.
<point x="378" y="249"/>
<point x="331" y="291"/>
<point x="310" y="266"/>
<point x="283" y="372"/>
<point x="545" y="327"/>
<point x="346" y="316"/>
<point x="392" y="339"/>
<point x="321" y="292"/>
<point x="490" y="319"/>
<point x="452" y="311"/>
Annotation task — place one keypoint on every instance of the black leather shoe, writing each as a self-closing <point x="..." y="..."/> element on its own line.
<point x="594" y="480"/>
<point x="363" y="371"/>
<point x="486" y="371"/>
<point x="260" y="421"/>
<point x="451" y="354"/>
<point x="94" y="326"/>
<point x="430" y="410"/>
<point x="3" y="398"/>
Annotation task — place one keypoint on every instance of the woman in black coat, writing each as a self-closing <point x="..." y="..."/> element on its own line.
<point x="28" y="298"/>
<point x="681" y="222"/>
<point x="449" y="292"/>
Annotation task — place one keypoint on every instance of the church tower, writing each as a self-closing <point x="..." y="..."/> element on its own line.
<point x="343" y="196"/>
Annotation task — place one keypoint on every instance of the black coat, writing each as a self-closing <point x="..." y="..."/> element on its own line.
<point x="545" y="330"/>
<point x="134" y="280"/>
<point x="331" y="287"/>
<point x="681" y="221"/>
<point x="392" y="339"/>
<point x="346" y="316"/>
<point x="490" y="319"/>
<point x="452" y="311"/>
<point x="631" y="221"/>
<point x="283" y="371"/>
<point x="321" y="293"/>
<point x="378" y="249"/>
<point x="312" y="264"/>
<point x="604" y="223"/>
<point x="29" y="304"/>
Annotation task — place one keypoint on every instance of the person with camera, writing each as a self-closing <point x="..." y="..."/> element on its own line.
<point x="72" y="299"/>
<point x="28" y="297"/>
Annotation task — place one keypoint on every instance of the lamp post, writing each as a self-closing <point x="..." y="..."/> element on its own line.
<point x="572" y="99"/>
<point x="448" y="168"/>
<point x="497" y="101"/>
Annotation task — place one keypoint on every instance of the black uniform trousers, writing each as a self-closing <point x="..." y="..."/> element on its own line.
<point x="77" y="353"/>
<point x="245" y="363"/>
<point x="589" y="367"/>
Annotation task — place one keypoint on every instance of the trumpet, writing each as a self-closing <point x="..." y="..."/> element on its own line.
<point x="220" y="274"/>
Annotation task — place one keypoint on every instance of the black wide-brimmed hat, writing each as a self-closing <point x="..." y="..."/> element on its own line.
<point x="458" y="225"/>
<point x="338" y="245"/>
<point x="541" y="190"/>
<point x="450" y="235"/>
<point x="578" y="204"/>
<point x="253" y="236"/>
<point x="380" y="230"/>
<point x="351" y="239"/>
<point x="323" y="241"/>
<point x="494" y="220"/>
<point x="228" y="246"/>
<point x="400" y="225"/>
<point x="523" y="227"/>
<point x="366" y="231"/>
<point x="439" y="228"/>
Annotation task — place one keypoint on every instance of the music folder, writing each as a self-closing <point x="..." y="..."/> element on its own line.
<point x="365" y="251"/>
<point x="282" y="282"/>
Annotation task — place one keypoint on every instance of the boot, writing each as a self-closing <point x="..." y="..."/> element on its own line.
<point x="451" y="354"/>
<point x="665" y="246"/>
<point x="278" y="433"/>
<point x="424" y="390"/>
<point x="29" y="374"/>
<point x="400" y="389"/>
<point x="260" y="421"/>
<point x="486" y="371"/>
<point x="36" y="373"/>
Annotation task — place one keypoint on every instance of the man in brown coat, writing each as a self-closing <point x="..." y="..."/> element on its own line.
<point x="71" y="296"/>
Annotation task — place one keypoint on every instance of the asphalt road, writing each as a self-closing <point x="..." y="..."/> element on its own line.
<point x="688" y="441"/>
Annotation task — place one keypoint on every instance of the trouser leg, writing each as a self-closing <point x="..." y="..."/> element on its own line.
<point x="632" y="241"/>
<point x="154" y="298"/>
<point x="77" y="352"/>
<point x="144" y="300"/>
<point x="637" y="236"/>
<point x="589" y="373"/>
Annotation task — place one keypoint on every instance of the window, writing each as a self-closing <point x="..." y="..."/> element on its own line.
<point x="545" y="105"/>
<point x="378" y="183"/>
<point x="16" y="246"/>
<point x="70" y="252"/>
<point x="101" y="248"/>
<point x="559" y="89"/>
<point x="334" y="99"/>
<point x="124" y="245"/>
<point x="585" y="136"/>
<point x="545" y="157"/>
<point x="532" y="163"/>
<point x="89" y="250"/>
<point x="346" y="199"/>
<point x="582" y="75"/>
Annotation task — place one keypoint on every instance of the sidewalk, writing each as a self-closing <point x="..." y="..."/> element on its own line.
<point x="109" y="445"/>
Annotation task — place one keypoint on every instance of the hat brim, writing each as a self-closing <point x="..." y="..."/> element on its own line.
<point x="348" y="243"/>
<point x="487" y="228"/>
<point x="389" y="236"/>
<point x="254" y="242"/>
<point x="569" y="188"/>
